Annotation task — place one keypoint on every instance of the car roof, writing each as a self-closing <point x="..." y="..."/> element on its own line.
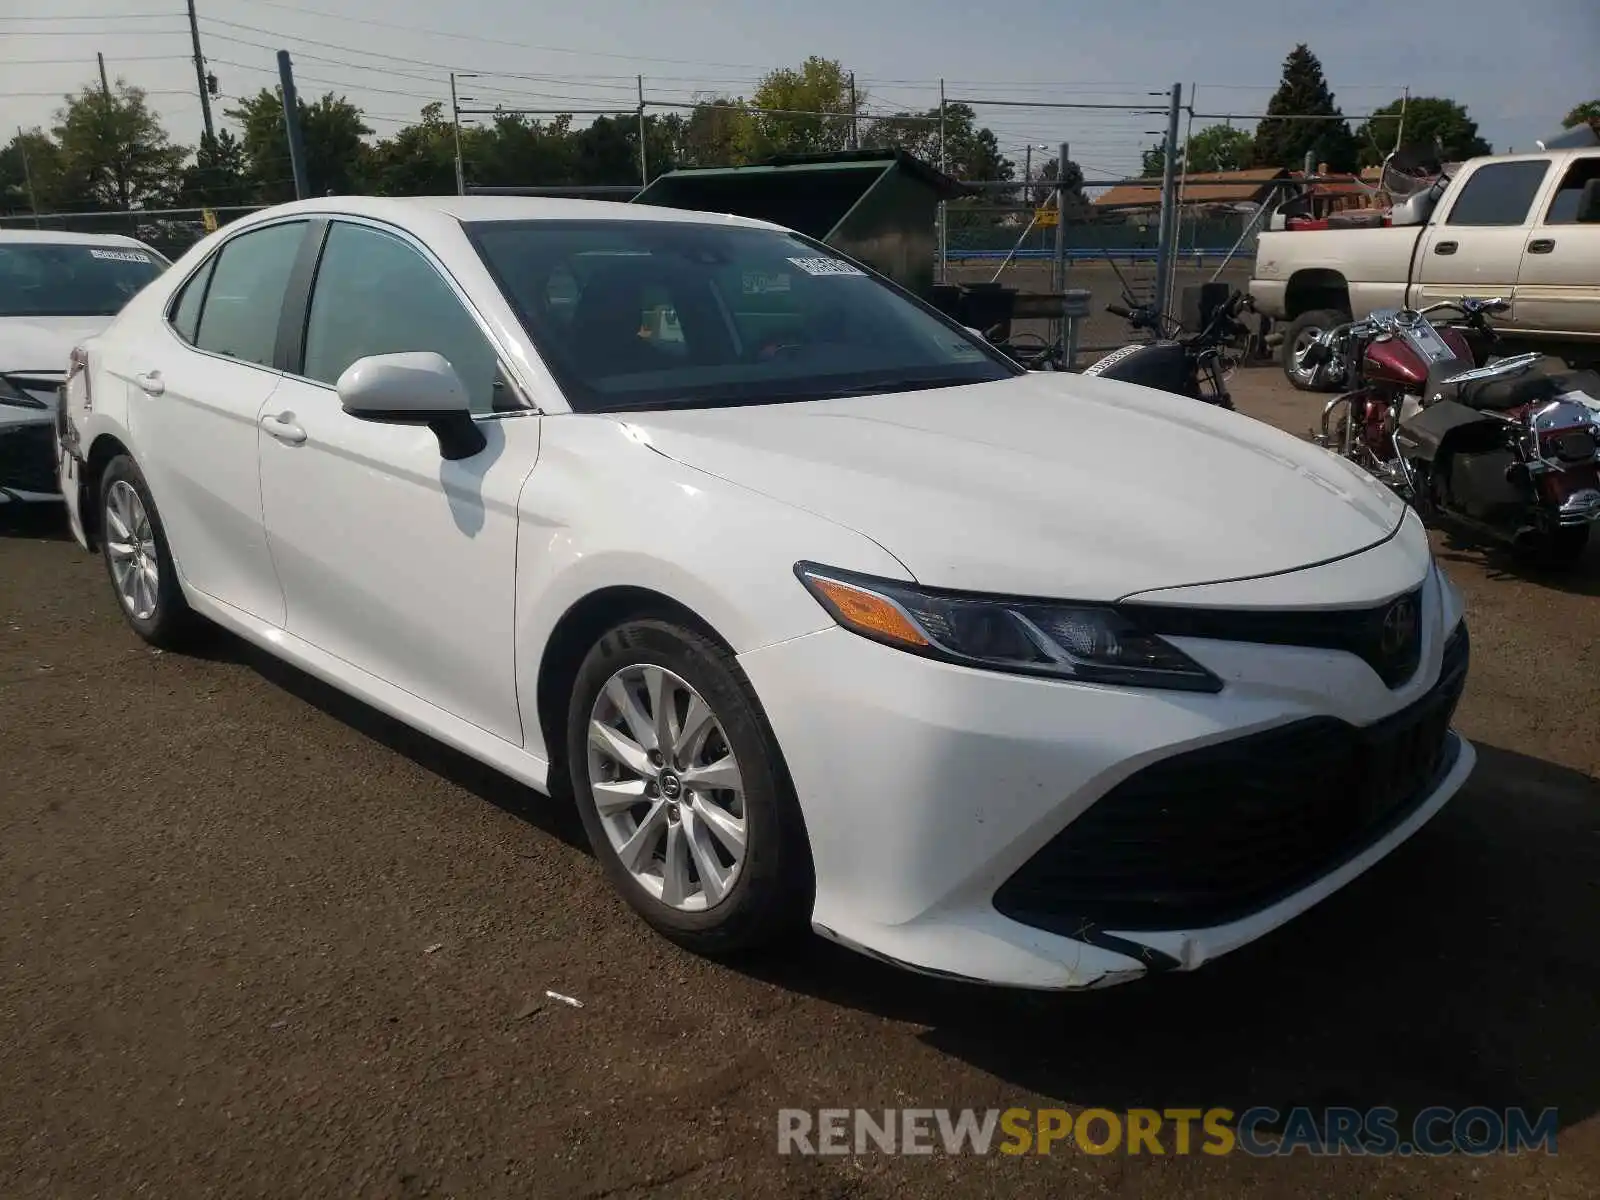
<point x="420" y="214"/>
<point x="62" y="237"/>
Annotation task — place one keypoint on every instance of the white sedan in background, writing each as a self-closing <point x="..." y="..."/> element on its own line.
<point x="56" y="289"/>
<point x="830" y="614"/>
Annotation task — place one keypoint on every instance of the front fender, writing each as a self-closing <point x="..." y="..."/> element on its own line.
<point x="602" y="510"/>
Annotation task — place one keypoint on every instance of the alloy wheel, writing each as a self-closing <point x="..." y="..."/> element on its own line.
<point x="1302" y="343"/>
<point x="667" y="787"/>
<point x="131" y="549"/>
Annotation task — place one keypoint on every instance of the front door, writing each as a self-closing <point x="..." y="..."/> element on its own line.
<point x="392" y="558"/>
<point x="1558" y="291"/>
<point x="1476" y="250"/>
<point x="196" y="391"/>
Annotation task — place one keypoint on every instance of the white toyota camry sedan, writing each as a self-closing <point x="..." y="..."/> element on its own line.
<point x="830" y="614"/>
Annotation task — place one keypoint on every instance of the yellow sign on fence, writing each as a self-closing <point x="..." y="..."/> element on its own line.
<point x="1044" y="216"/>
<point x="209" y="219"/>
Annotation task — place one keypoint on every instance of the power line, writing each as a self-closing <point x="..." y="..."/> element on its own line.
<point x="467" y="37"/>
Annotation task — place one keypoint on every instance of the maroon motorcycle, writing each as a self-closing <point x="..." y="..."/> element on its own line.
<point x="1507" y="448"/>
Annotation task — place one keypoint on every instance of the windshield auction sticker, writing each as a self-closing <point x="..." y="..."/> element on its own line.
<point x="825" y="266"/>
<point x="121" y="255"/>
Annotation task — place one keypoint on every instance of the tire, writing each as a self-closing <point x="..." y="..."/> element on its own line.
<point x="770" y="887"/>
<point x="1562" y="548"/>
<point x="157" y="611"/>
<point x="1308" y="323"/>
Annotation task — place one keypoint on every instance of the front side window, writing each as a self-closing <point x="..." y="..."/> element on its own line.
<point x="647" y="314"/>
<point x="374" y="294"/>
<point x="244" y="301"/>
<point x="62" y="279"/>
<point x="1499" y="193"/>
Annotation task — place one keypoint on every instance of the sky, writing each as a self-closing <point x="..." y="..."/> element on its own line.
<point x="1517" y="67"/>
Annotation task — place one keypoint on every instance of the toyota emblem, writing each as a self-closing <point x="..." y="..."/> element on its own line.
<point x="1399" y="627"/>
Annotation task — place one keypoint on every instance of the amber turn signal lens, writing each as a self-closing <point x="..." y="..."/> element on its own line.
<point x="869" y="613"/>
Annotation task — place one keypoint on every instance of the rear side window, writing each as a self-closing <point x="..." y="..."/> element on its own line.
<point x="186" y="312"/>
<point x="1499" y="193"/>
<point x="242" y="305"/>
<point x="1564" y="208"/>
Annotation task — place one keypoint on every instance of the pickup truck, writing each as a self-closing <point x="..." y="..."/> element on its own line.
<point x="1523" y="227"/>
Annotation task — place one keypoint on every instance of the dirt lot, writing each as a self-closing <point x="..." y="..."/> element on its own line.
<point x="259" y="941"/>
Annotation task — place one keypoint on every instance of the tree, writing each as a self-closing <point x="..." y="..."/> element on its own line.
<point x="219" y="175"/>
<point x="31" y="173"/>
<point x="1429" y="121"/>
<point x="716" y="134"/>
<point x="114" y="152"/>
<point x="1153" y="162"/>
<point x="332" y="129"/>
<point x="1076" y="204"/>
<point x="971" y="151"/>
<point x="1219" y="148"/>
<point x="1588" y="111"/>
<point x="812" y="110"/>
<point x="1304" y="92"/>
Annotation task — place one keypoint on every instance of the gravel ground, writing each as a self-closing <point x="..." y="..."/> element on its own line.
<point x="260" y="941"/>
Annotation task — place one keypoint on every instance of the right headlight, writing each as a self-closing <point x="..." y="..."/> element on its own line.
<point x="1087" y="643"/>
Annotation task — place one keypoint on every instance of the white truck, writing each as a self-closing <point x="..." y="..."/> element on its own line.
<point x="1524" y="227"/>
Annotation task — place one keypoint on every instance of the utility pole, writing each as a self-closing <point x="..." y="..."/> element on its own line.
<point x="944" y="228"/>
<point x="644" y="166"/>
<point x="455" y="125"/>
<point x="123" y="199"/>
<point x="27" y="177"/>
<point x="1169" y="203"/>
<point x="200" y="73"/>
<point x="855" y="136"/>
<point x="291" y="123"/>
<point x="1058" y="271"/>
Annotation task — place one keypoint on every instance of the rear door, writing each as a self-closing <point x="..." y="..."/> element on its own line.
<point x="1476" y="249"/>
<point x="195" y="392"/>
<point x="1558" y="290"/>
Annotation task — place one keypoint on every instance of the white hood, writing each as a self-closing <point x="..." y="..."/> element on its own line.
<point x="43" y="343"/>
<point x="1046" y="485"/>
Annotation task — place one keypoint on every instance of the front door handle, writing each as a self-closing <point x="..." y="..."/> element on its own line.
<point x="151" y="383"/>
<point x="1444" y="247"/>
<point x="283" y="428"/>
<point x="1541" y="245"/>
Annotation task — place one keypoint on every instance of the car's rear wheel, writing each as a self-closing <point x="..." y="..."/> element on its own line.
<point x="682" y="791"/>
<point x="137" y="557"/>
<point x="1297" y="339"/>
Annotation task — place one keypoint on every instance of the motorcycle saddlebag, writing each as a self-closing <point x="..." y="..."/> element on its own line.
<point x="1159" y="365"/>
<point x="1424" y="435"/>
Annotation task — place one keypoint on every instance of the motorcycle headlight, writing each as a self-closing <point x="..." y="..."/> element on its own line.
<point x="1087" y="643"/>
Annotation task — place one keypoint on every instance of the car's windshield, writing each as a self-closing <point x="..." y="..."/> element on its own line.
<point x="60" y="279"/>
<point x="646" y="314"/>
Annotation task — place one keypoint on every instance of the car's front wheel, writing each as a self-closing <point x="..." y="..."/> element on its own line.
<point x="682" y="791"/>
<point x="137" y="557"/>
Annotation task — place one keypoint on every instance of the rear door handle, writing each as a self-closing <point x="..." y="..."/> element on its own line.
<point x="283" y="428"/>
<point x="1541" y="245"/>
<point x="151" y="383"/>
<point x="1444" y="248"/>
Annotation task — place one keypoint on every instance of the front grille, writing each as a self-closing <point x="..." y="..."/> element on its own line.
<point x="28" y="458"/>
<point x="1215" y="834"/>
<point x="1371" y="634"/>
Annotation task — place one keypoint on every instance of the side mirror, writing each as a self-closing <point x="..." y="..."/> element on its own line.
<point x="415" y="388"/>
<point x="1589" y="204"/>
